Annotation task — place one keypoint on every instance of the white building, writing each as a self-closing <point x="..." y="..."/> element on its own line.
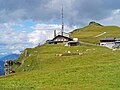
<point x="107" y="42"/>
<point x="73" y="43"/>
<point x="117" y="41"/>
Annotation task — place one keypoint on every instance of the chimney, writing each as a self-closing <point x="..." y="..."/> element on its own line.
<point x="54" y="33"/>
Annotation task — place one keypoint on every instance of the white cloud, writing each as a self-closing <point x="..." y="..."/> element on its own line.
<point x="10" y="36"/>
<point x="37" y="36"/>
<point x="4" y="53"/>
<point x="113" y="19"/>
<point x="76" y="12"/>
<point x="42" y="32"/>
<point x="16" y="52"/>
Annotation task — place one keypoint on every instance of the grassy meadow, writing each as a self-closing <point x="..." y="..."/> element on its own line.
<point x="45" y="67"/>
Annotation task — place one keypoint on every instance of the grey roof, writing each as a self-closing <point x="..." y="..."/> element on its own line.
<point x="107" y="39"/>
<point x="117" y="39"/>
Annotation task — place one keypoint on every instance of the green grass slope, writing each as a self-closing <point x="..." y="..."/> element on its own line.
<point x="86" y="68"/>
<point x="91" y="32"/>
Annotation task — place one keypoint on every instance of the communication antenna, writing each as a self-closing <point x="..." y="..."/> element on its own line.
<point x="62" y="20"/>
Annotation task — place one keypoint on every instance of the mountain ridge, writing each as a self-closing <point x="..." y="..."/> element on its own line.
<point x="10" y="57"/>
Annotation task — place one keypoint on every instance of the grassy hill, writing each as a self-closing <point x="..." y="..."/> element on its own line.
<point x="51" y="67"/>
<point x="91" y="32"/>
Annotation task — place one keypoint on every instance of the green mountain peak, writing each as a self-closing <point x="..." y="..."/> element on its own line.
<point x="94" y="24"/>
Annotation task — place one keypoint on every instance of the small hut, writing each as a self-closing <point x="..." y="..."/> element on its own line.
<point x="72" y="43"/>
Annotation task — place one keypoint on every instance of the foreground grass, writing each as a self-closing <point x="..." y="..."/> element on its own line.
<point x="96" y="69"/>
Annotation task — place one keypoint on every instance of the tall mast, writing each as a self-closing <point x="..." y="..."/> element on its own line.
<point x="62" y="21"/>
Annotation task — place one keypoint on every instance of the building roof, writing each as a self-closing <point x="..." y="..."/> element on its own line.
<point x="107" y="39"/>
<point x="117" y="39"/>
<point x="63" y="37"/>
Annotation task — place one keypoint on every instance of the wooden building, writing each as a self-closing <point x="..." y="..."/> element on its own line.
<point x="72" y="43"/>
<point x="61" y="39"/>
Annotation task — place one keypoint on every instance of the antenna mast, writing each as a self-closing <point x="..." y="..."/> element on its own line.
<point x="62" y="21"/>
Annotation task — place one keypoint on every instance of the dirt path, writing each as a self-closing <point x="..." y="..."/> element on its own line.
<point x="101" y="34"/>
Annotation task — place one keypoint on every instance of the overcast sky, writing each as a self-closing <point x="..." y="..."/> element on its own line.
<point x="25" y="23"/>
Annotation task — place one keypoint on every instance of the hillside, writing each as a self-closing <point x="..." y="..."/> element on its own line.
<point x="93" y="32"/>
<point x="7" y="57"/>
<point x="92" y="68"/>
